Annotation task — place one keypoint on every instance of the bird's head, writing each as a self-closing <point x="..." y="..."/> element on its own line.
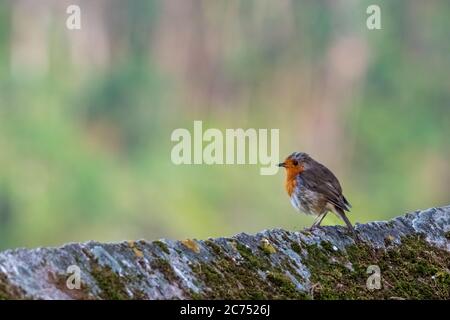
<point x="295" y="163"/>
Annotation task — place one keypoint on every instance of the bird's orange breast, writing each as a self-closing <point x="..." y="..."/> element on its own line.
<point x="290" y="186"/>
<point x="291" y="178"/>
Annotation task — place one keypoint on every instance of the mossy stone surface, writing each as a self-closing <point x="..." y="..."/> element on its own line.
<point x="412" y="253"/>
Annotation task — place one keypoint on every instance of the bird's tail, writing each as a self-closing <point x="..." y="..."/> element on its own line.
<point x="342" y="215"/>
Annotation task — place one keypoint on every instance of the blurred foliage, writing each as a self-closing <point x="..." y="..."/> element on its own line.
<point x="86" y="116"/>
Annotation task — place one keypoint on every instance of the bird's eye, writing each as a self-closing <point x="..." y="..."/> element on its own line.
<point x="295" y="162"/>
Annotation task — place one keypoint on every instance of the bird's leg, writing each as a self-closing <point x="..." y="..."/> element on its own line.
<point x="318" y="221"/>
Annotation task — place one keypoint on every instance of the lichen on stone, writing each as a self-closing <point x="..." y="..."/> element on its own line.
<point x="267" y="247"/>
<point x="191" y="244"/>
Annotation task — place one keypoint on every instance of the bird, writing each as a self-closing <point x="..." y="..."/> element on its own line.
<point x="314" y="190"/>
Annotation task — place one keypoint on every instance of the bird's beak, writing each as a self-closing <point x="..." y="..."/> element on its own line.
<point x="282" y="165"/>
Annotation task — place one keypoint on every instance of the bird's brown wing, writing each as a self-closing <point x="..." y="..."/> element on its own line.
<point x="320" y="179"/>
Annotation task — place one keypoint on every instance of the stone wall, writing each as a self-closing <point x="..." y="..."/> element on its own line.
<point x="412" y="253"/>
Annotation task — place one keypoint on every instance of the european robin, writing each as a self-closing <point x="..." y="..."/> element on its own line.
<point x="314" y="189"/>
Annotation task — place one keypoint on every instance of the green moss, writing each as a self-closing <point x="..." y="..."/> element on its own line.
<point x="195" y="295"/>
<point x="288" y="265"/>
<point x="111" y="284"/>
<point x="209" y="273"/>
<point x="316" y="256"/>
<point x="9" y="291"/>
<point x="389" y="240"/>
<point x="412" y="270"/>
<point x="114" y="286"/>
<point x="296" y="247"/>
<point x="285" y="286"/>
<point x="327" y="245"/>
<point x="246" y="279"/>
<point x="165" y="268"/>
<point x="162" y="246"/>
<point x="253" y="260"/>
<point x="267" y="247"/>
<point x="214" y="247"/>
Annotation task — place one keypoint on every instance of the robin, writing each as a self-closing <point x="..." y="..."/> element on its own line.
<point x="314" y="189"/>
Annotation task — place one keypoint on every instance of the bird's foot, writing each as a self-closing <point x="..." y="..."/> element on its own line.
<point x="355" y="237"/>
<point x="310" y="229"/>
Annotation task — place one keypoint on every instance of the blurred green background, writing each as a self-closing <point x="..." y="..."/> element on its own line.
<point x="86" y="115"/>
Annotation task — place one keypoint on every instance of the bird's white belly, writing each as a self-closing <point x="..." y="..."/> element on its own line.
<point x="297" y="204"/>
